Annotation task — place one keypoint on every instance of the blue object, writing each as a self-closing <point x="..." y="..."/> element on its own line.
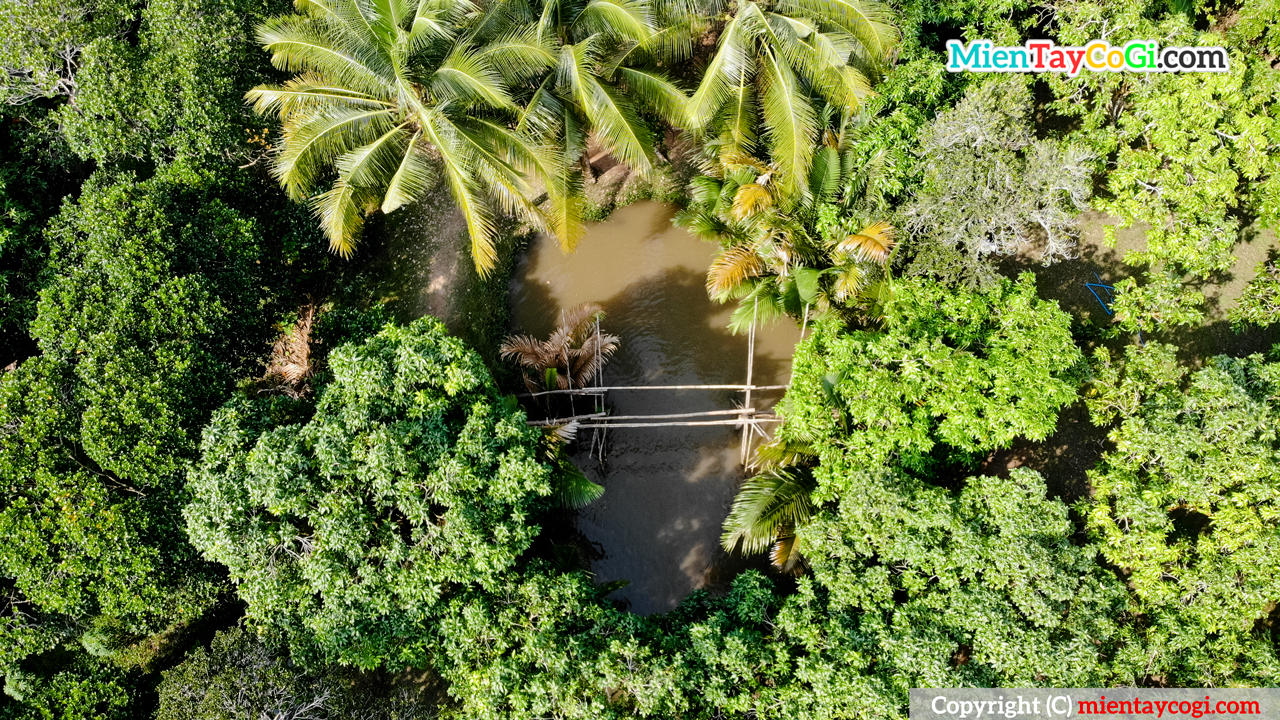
<point x="1099" y="289"/>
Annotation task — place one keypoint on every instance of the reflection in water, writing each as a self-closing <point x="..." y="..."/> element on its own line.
<point x="668" y="490"/>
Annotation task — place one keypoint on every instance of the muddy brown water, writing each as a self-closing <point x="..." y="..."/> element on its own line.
<point x="667" y="490"/>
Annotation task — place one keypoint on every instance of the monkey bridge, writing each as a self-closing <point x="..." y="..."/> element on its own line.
<point x="747" y="417"/>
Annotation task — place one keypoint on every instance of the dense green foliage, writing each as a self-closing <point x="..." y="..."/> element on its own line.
<point x="1186" y="506"/>
<point x="973" y="370"/>
<point x="380" y="520"/>
<point x="984" y="587"/>
<point x="242" y="677"/>
<point x="347" y="523"/>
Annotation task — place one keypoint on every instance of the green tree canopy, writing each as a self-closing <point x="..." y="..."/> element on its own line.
<point x="970" y="370"/>
<point x="983" y="587"/>
<point x="173" y="89"/>
<point x="347" y="523"/>
<point x="1186" y="506"/>
<point x="139" y="338"/>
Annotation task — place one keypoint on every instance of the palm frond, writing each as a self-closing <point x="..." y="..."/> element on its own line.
<point x="731" y="268"/>
<point x="783" y="453"/>
<point x="790" y="122"/>
<point x="727" y="66"/>
<point x="299" y="44"/>
<point x="306" y="93"/>
<point x="572" y="488"/>
<point x="704" y="190"/>
<point x="526" y="350"/>
<point x="769" y="505"/>
<point x="867" y="21"/>
<point x="739" y="113"/>
<point x="313" y="145"/>
<point x="469" y="77"/>
<point x="619" y="19"/>
<point x="824" y="177"/>
<point x="619" y="127"/>
<point x="458" y="167"/>
<point x="519" y="55"/>
<point x="412" y="178"/>
<point x="785" y="554"/>
<point x="657" y="94"/>
<point x="849" y="282"/>
<point x="341" y="217"/>
<point x="372" y="165"/>
<point x="871" y="243"/>
<point x="750" y="199"/>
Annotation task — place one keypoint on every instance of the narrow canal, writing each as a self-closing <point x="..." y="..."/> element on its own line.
<point x="667" y="490"/>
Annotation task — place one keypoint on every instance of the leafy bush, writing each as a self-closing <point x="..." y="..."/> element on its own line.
<point x="347" y="523"/>
<point x="969" y="369"/>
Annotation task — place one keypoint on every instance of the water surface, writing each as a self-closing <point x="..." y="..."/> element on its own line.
<point x="667" y="490"/>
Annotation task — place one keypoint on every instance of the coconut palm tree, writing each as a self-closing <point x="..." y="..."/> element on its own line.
<point x="570" y="358"/>
<point x="390" y="95"/>
<point x="777" y="63"/>
<point x="598" y="58"/>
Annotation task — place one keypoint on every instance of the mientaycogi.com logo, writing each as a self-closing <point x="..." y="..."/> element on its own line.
<point x="1043" y="56"/>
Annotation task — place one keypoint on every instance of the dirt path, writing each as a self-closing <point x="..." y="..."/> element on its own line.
<point x="417" y="258"/>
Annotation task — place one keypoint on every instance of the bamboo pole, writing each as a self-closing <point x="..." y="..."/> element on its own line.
<point x="606" y="416"/>
<point x="756" y="419"/>
<point x="751" y="356"/>
<point x="599" y="390"/>
<point x="564" y="421"/>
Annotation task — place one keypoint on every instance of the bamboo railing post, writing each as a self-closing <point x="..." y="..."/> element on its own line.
<point x="751" y="356"/>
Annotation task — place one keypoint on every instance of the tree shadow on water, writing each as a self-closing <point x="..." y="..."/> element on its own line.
<point x="667" y="490"/>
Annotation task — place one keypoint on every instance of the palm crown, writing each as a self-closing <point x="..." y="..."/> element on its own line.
<point x="391" y="95"/>
<point x="597" y="81"/>
<point x="776" y="65"/>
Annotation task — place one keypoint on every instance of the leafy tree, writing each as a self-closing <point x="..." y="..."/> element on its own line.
<point x="78" y="687"/>
<point x="385" y="96"/>
<point x="153" y="306"/>
<point x="138" y="344"/>
<point x="348" y="524"/>
<point x="988" y="183"/>
<point x="41" y="43"/>
<point x="965" y="370"/>
<point x="241" y="676"/>
<point x="978" y="588"/>
<point x="1195" y="152"/>
<point x="174" y="89"/>
<point x="34" y="176"/>
<point x="1185" y="507"/>
<point x="1260" y="302"/>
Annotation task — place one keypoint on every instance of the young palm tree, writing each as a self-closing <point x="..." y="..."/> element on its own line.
<point x="777" y="63"/>
<point x="568" y="359"/>
<point x="778" y="255"/>
<point x="766" y="513"/>
<point x="388" y="96"/>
